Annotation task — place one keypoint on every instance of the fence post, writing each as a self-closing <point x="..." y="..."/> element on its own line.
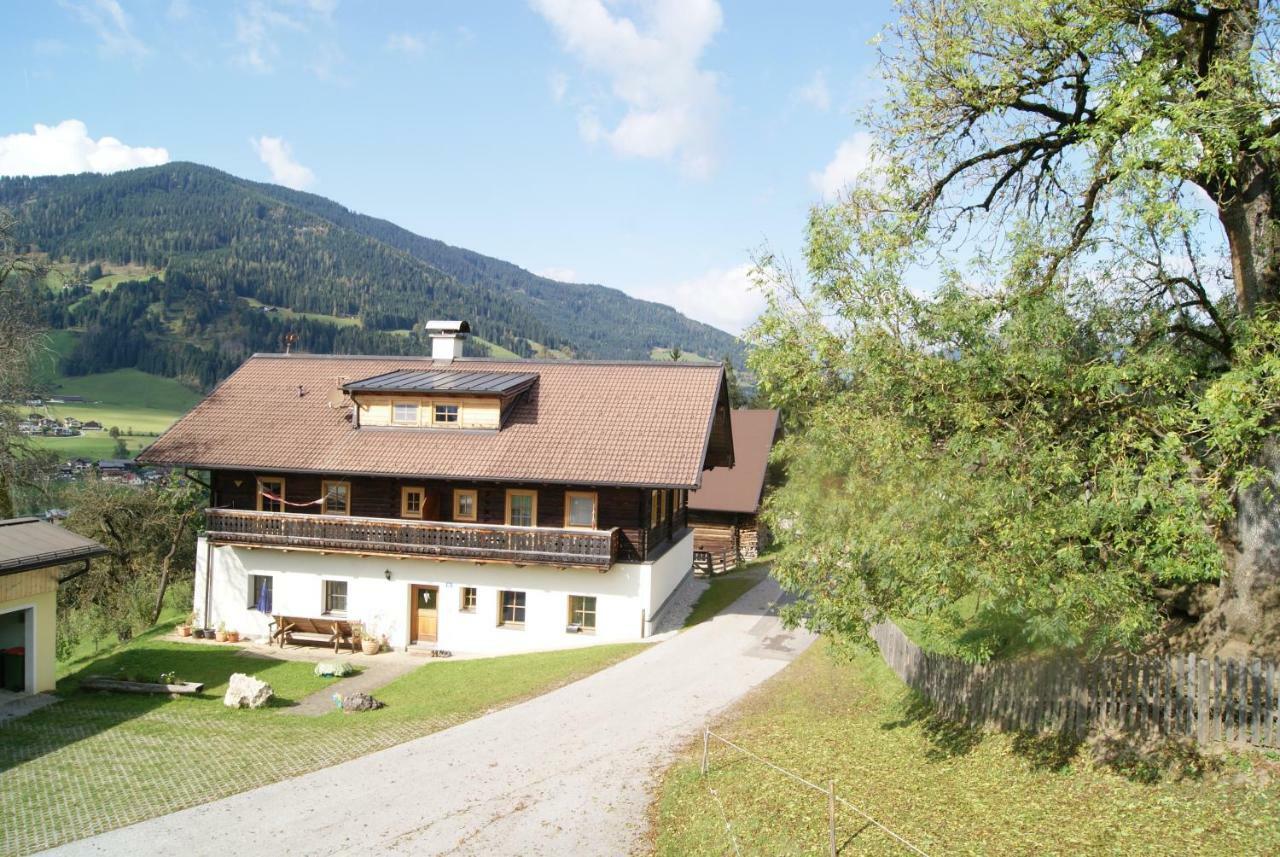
<point x="831" y="816"/>
<point x="706" y="739"/>
<point x="1202" y="701"/>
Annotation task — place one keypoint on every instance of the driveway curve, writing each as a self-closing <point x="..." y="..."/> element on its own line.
<point x="569" y="772"/>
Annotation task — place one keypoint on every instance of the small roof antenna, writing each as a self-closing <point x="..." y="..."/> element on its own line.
<point x="290" y="339"/>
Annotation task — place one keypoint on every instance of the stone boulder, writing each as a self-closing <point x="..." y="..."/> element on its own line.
<point x="360" y="702"/>
<point x="246" y="691"/>
<point x="335" y="669"/>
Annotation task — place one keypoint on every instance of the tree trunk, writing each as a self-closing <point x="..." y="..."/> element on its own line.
<point x="1249" y="214"/>
<point x="168" y="562"/>
<point x="1248" y="609"/>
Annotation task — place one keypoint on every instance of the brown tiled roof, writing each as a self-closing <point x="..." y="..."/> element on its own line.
<point x="581" y="423"/>
<point x="738" y="488"/>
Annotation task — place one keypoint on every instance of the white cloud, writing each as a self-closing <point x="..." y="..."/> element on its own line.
<point x="262" y="24"/>
<point x="670" y="103"/>
<point x="852" y="157"/>
<point x="724" y="297"/>
<point x="68" y="148"/>
<point x="108" y="20"/>
<point x="178" y="10"/>
<point x="815" y="93"/>
<point x="559" y="83"/>
<point x="406" y="43"/>
<point x="278" y="156"/>
<point x="563" y="275"/>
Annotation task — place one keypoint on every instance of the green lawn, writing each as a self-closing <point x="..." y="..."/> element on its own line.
<point x="948" y="790"/>
<point x="725" y="589"/>
<point x="96" y="762"/>
<point x="285" y="312"/>
<point x="141" y="405"/>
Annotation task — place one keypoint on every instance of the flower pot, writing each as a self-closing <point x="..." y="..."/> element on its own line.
<point x="198" y="633"/>
<point x="233" y="636"/>
<point x="184" y="630"/>
<point x="370" y="647"/>
<point x="220" y="636"/>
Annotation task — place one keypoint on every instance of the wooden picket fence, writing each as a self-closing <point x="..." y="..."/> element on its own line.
<point x="1208" y="700"/>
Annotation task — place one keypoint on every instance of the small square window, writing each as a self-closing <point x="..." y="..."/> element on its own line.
<point x="261" y="592"/>
<point x="582" y="611"/>
<point x="335" y="596"/>
<point x="270" y="495"/>
<point x="580" y="510"/>
<point x="464" y="504"/>
<point x="411" y="502"/>
<point x="467" y="604"/>
<point x="511" y="608"/>
<point x="405" y="413"/>
<point x="337" y="498"/>
<point x="445" y="415"/>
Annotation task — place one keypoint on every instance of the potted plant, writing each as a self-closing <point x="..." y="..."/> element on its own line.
<point x="184" y="630"/>
<point x="233" y="636"/>
<point x="221" y="634"/>
<point x="369" y="642"/>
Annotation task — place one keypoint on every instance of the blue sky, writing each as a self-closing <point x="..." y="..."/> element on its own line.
<point x="647" y="146"/>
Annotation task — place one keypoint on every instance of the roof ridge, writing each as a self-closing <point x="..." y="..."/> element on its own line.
<point x="539" y="361"/>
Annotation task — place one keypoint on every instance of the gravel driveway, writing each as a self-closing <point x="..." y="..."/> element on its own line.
<point x="566" y="773"/>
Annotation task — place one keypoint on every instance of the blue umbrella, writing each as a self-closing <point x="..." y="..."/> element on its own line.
<point x="263" y="604"/>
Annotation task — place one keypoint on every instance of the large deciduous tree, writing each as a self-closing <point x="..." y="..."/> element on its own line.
<point x="1044" y="454"/>
<point x="21" y="343"/>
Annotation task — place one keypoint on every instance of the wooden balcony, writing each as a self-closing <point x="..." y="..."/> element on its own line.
<point x="437" y="539"/>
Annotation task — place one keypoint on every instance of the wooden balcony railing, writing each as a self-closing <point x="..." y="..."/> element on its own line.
<point x="344" y="533"/>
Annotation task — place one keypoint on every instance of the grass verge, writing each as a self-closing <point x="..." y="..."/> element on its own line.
<point x="96" y="762"/>
<point x="723" y="590"/>
<point x="948" y="790"/>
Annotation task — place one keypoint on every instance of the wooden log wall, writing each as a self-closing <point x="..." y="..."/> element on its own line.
<point x="625" y="508"/>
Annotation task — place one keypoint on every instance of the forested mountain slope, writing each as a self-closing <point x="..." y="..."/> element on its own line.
<point x="214" y="250"/>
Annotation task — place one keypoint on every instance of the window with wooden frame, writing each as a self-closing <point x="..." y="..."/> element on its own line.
<point x="274" y="487"/>
<point x="679" y="502"/>
<point x="511" y="608"/>
<point x="465" y="503"/>
<point x="337" y="498"/>
<point x="335" y="597"/>
<point x="582" y="612"/>
<point x="404" y="413"/>
<point x="653" y="508"/>
<point x="580" y="510"/>
<point x="663" y="496"/>
<point x="411" y="502"/>
<point x="522" y="508"/>
<point x="261" y="592"/>
<point x="446" y="414"/>
<point x="467" y="599"/>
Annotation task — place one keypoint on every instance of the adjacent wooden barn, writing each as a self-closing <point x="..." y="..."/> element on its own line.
<point x="724" y="512"/>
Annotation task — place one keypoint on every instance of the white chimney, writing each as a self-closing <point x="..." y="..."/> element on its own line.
<point x="446" y="338"/>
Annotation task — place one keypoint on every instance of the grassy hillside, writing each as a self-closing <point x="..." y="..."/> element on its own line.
<point x="141" y="405"/>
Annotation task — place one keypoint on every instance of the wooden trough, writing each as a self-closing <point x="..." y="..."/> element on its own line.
<point x="99" y="682"/>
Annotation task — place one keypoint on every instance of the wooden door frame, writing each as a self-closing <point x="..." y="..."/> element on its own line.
<point x="414" y="588"/>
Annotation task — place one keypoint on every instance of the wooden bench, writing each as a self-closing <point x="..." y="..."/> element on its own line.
<point x="336" y="631"/>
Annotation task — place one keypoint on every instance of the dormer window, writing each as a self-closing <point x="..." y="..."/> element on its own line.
<point x="446" y="415"/>
<point x="404" y="414"/>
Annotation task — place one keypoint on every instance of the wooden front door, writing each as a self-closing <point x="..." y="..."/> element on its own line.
<point x="426" y="613"/>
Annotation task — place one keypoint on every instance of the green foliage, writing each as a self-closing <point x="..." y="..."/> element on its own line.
<point x="151" y="534"/>
<point x="1030" y="453"/>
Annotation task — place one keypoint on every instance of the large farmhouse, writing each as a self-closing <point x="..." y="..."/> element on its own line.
<point x="474" y="505"/>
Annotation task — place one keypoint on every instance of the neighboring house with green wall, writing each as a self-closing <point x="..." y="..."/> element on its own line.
<point x="34" y="556"/>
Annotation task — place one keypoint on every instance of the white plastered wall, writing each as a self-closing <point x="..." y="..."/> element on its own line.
<point x="625" y="595"/>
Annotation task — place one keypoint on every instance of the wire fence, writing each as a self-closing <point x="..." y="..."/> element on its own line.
<point x="833" y="800"/>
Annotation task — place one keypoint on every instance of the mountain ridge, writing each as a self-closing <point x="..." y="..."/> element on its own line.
<point x="229" y="252"/>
